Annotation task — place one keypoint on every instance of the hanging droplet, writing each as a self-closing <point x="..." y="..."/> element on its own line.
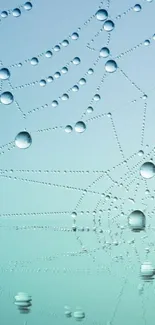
<point x="23" y="140"/>
<point x="80" y="127"/>
<point x="6" y="98"/>
<point x="16" y="12"/>
<point x="104" y="52"/>
<point x="136" y="221"/>
<point x="4" y="74"/>
<point x="111" y="66"/>
<point x="109" y="25"/>
<point x="147" y="170"/>
<point x="101" y="14"/>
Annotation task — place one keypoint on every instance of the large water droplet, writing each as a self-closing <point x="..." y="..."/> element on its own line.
<point x="23" y="140"/>
<point x="4" y="14"/>
<point x="6" y="98"/>
<point x="147" y="271"/>
<point x="80" y="127"/>
<point x="111" y="66"/>
<point x="28" y="5"/>
<point x="108" y="25"/>
<point x="137" y="7"/>
<point x="4" y="74"/>
<point x="34" y="61"/>
<point x="76" y="61"/>
<point x="101" y="14"/>
<point x="16" y="12"/>
<point x="147" y="170"/>
<point x="104" y="52"/>
<point x="136" y="221"/>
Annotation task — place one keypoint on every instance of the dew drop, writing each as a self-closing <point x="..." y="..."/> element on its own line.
<point x="57" y="75"/>
<point x="137" y="8"/>
<point x="64" y="70"/>
<point x="111" y="66"/>
<point x="82" y="81"/>
<point x="97" y="97"/>
<point x="75" y="36"/>
<point x="57" y="48"/>
<point x="108" y="25"/>
<point x="75" y="88"/>
<point x="65" y="43"/>
<point x="42" y="83"/>
<point x="65" y="97"/>
<point x="54" y="103"/>
<point x="90" y="109"/>
<point x="101" y="14"/>
<point x="68" y="129"/>
<point x="147" y="170"/>
<point x="76" y="61"/>
<point x="90" y="71"/>
<point x="146" y="42"/>
<point x="136" y="221"/>
<point x="6" y="98"/>
<point x="28" y="5"/>
<point x="48" y="54"/>
<point x="34" y="61"/>
<point x="23" y="140"/>
<point x="80" y="127"/>
<point x="16" y="12"/>
<point x="147" y="271"/>
<point x="4" y="74"/>
<point x="4" y="14"/>
<point x="104" y="52"/>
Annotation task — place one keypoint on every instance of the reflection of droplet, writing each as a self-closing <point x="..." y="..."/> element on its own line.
<point x="28" y="5"/>
<point x="101" y="14"/>
<point x="23" y="140"/>
<point x="111" y="66"/>
<point x="4" y="74"/>
<point x="80" y="127"/>
<point x="75" y="36"/>
<point x="108" y="25"/>
<point x="6" y="98"/>
<point x="34" y="61"/>
<point x="104" y="52"/>
<point x="137" y="7"/>
<point x="68" y="129"/>
<point x="90" y="109"/>
<point x="16" y="12"/>
<point x="147" y="170"/>
<point x="147" y="271"/>
<point x="76" y="61"/>
<point x="136" y="221"/>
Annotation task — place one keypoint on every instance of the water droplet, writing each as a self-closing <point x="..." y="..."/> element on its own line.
<point x="76" y="61"/>
<point x="79" y="315"/>
<point x="90" y="71"/>
<point x="57" y="75"/>
<point x="140" y="153"/>
<point x="108" y="25"/>
<point x="16" y="12"/>
<point x="48" y="54"/>
<point x="4" y="14"/>
<point x="64" y="70"/>
<point x="104" y="52"/>
<point x="57" y="48"/>
<point x="90" y="109"/>
<point x="80" y="127"/>
<point x="4" y="74"/>
<point x="82" y="81"/>
<point x="147" y="271"/>
<point x="147" y="170"/>
<point x="137" y="8"/>
<point x="146" y="42"/>
<point x="75" y="36"/>
<point x="136" y="221"/>
<point x="97" y="97"/>
<point x="65" y="97"/>
<point x="111" y="66"/>
<point x="75" y="88"/>
<point x="50" y="79"/>
<point x="54" y="103"/>
<point x="34" y="61"/>
<point x="23" y="140"/>
<point x="28" y="5"/>
<point x="68" y="129"/>
<point x="6" y="98"/>
<point x="42" y="83"/>
<point x="68" y="313"/>
<point x="65" y="43"/>
<point x="149" y="0"/>
<point x="101" y="14"/>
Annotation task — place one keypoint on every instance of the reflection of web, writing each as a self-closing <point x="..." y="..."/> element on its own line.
<point x="122" y="186"/>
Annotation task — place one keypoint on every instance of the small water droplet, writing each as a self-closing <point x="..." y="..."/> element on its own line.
<point x="65" y="97"/>
<point x="82" y="81"/>
<point x="90" y="71"/>
<point x="34" y="61"/>
<point x="97" y="97"/>
<point x="76" y="61"/>
<point x="147" y="170"/>
<point x="146" y="42"/>
<point x="101" y="14"/>
<point x="65" y="43"/>
<point x="75" y="88"/>
<point x="42" y="83"/>
<point x="64" y="70"/>
<point x="90" y="109"/>
<point x="6" y="98"/>
<point x="23" y="140"/>
<point x="28" y="5"/>
<point x="68" y="129"/>
<point x="75" y="36"/>
<point x="48" y="54"/>
<point x="104" y="52"/>
<point x="50" y="79"/>
<point x="57" y="75"/>
<point x="109" y="25"/>
<point x="137" y="7"/>
<point x="57" y="48"/>
<point x="4" y="14"/>
<point x="16" y="12"/>
<point x="140" y="153"/>
<point x="80" y="127"/>
<point x="54" y="103"/>
<point x="111" y="66"/>
<point x="4" y="74"/>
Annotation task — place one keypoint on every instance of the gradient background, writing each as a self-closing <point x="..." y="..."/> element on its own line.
<point x="97" y="271"/>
